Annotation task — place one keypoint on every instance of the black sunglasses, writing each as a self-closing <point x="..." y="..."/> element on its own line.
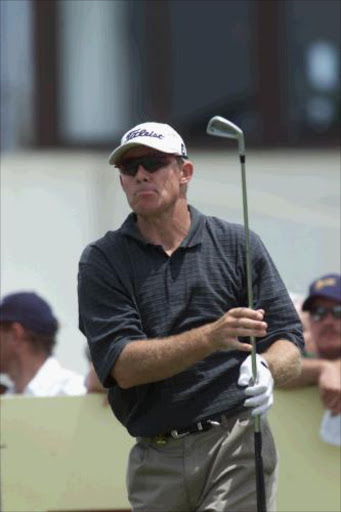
<point x="150" y="163"/>
<point x="320" y="312"/>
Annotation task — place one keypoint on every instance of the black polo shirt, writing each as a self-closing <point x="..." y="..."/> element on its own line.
<point x="130" y="289"/>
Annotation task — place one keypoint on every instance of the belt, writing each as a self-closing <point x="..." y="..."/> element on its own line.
<point x="200" y="426"/>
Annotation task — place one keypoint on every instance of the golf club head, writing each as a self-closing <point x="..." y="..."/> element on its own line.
<point x="220" y="127"/>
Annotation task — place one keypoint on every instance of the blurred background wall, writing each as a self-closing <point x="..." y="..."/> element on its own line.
<point x="76" y="74"/>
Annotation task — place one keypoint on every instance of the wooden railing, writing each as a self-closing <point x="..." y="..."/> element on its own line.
<point x="70" y="454"/>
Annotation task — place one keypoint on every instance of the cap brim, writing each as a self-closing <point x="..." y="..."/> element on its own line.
<point x="306" y="306"/>
<point x="117" y="154"/>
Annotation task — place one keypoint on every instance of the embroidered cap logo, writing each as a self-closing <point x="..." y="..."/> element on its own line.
<point x="143" y="133"/>
<point x="322" y="283"/>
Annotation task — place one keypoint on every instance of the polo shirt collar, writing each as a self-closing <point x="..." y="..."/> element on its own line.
<point x="196" y="231"/>
<point x="193" y="237"/>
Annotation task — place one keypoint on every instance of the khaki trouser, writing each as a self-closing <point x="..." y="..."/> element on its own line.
<point x="212" y="471"/>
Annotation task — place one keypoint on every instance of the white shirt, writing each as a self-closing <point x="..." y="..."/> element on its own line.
<point x="54" y="380"/>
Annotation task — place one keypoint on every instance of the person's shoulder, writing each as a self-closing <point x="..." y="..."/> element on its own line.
<point x="224" y="227"/>
<point x="231" y="234"/>
<point x="104" y="244"/>
<point x="52" y="379"/>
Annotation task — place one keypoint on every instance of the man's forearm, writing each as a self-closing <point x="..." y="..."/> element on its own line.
<point x="311" y="372"/>
<point x="152" y="360"/>
<point x="284" y="360"/>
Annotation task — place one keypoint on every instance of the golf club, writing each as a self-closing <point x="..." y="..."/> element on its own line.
<point x="220" y="127"/>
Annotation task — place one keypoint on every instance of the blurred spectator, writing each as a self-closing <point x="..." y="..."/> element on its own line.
<point x="28" y="331"/>
<point x="310" y="349"/>
<point x="3" y="388"/>
<point x="5" y="383"/>
<point x="323" y="305"/>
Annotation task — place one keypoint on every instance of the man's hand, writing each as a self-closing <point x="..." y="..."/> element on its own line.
<point x="330" y="386"/>
<point x="261" y="392"/>
<point x="237" y="322"/>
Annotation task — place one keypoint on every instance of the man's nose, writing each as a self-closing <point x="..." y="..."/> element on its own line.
<point x="142" y="174"/>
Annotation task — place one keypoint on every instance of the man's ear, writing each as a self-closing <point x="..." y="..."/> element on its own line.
<point x="18" y="331"/>
<point x="186" y="172"/>
<point x="17" y="335"/>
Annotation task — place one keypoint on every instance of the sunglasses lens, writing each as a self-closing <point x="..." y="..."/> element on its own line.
<point x="153" y="164"/>
<point x="130" y="166"/>
<point x="337" y="311"/>
<point x="320" y="312"/>
<point x="317" y="314"/>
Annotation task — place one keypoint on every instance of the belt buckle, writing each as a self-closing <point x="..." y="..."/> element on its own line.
<point x="160" y="439"/>
<point x="175" y="434"/>
<point x="214" y="423"/>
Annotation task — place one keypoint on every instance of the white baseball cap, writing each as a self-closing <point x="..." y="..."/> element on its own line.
<point x="161" y="137"/>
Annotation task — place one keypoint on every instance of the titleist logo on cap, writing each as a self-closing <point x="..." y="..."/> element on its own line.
<point x="143" y="133"/>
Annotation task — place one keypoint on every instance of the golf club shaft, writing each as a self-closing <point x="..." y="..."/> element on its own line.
<point x="260" y="482"/>
<point x="249" y="272"/>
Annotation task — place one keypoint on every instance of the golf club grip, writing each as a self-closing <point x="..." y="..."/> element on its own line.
<point x="260" y="482"/>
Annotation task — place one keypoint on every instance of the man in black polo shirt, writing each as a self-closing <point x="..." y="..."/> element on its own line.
<point x="163" y="304"/>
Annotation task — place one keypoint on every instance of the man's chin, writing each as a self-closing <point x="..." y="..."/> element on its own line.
<point x="146" y="212"/>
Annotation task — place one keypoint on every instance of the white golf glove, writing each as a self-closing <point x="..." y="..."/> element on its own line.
<point x="260" y="393"/>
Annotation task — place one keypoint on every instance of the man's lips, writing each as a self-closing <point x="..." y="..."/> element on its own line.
<point x="145" y="191"/>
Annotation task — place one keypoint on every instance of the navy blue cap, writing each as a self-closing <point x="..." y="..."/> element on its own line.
<point x="29" y="310"/>
<point x="327" y="287"/>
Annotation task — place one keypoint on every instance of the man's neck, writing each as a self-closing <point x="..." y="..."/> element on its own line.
<point x="25" y="371"/>
<point x="167" y="228"/>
